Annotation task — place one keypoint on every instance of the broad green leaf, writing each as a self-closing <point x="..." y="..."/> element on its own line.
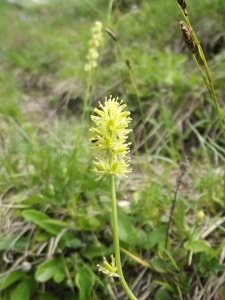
<point x="85" y="280"/>
<point x="47" y="270"/>
<point x="21" y="244"/>
<point x="35" y="199"/>
<point x="124" y="226"/>
<point x="58" y="222"/>
<point x="93" y="251"/>
<point x="8" y="279"/>
<point x="140" y="237"/>
<point x="70" y="240"/>
<point x="21" y="292"/>
<point x="5" y="295"/>
<point x="86" y="223"/>
<point x="59" y="275"/>
<point x="159" y="265"/>
<point x="155" y="237"/>
<point x="46" y="296"/>
<point x="6" y="242"/>
<point x="198" y="246"/>
<point x="41" y="220"/>
<point x="162" y="294"/>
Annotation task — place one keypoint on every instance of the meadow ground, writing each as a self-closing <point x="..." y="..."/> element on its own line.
<point x="55" y="218"/>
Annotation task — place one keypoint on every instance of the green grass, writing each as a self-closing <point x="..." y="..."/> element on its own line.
<point x="45" y="159"/>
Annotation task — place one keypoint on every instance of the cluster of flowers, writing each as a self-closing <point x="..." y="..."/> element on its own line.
<point x="95" y="42"/>
<point x="109" y="140"/>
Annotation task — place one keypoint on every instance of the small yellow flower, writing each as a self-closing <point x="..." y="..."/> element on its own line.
<point x="109" y="269"/>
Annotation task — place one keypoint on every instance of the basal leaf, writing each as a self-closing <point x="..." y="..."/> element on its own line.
<point x="59" y="275"/>
<point x="35" y="199"/>
<point x="8" y="279"/>
<point x="21" y="292"/>
<point x="6" y="242"/>
<point x="47" y="270"/>
<point x="155" y="237"/>
<point x="198" y="246"/>
<point x="85" y="281"/>
<point x="125" y="226"/>
<point x="41" y="220"/>
<point x="162" y="294"/>
<point x="93" y="251"/>
<point x="46" y="296"/>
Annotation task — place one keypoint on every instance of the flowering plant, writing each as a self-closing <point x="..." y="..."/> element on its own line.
<point x="111" y="149"/>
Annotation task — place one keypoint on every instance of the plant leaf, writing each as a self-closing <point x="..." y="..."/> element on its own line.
<point x="46" y="296"/>
<point x="21" y="292"/>
<point x="85" y="280"/>
<point x="124" y="226"/>
<point x="35" y="199"/>
<point x="157" y="236"/>
<point x="59" y="276"/>
<point x="93" y="251"/>
<point x="8" y="279"/>
<point x="6" y="242"/>
<point x="41" y="220"/>
<point x="172" y="260"/>
<point x="198" y="246"/>
<point x="47" y="270"/>
<point x="162" y="294"/>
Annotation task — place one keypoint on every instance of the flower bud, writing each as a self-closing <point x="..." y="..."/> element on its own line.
<point x="200" y="215"/>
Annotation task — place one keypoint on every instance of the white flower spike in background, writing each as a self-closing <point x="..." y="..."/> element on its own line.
<point x="95" y="42"/>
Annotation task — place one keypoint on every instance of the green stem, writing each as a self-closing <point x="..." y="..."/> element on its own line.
<point x="109" y="11"/>
<point x="116" y="240"/>
<point x="133" y="83"/>
<point x="133" y="140"/>
<point x="203" y="75"/>
<point x="86" y="98"/>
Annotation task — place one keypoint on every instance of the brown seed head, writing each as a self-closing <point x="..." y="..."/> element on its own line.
<point x="183" y="6"/>
<point x="182" y="3"/>
<point x="188" y="36"/>
<point x="128" y="63"/>
<point x="110" y="33"/>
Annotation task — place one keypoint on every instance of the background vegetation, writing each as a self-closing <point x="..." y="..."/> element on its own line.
<point x="54" y="216"/>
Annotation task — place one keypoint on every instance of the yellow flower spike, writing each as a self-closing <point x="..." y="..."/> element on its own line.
<point x="111" y="128"/>
<point x="108" y="269"/>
